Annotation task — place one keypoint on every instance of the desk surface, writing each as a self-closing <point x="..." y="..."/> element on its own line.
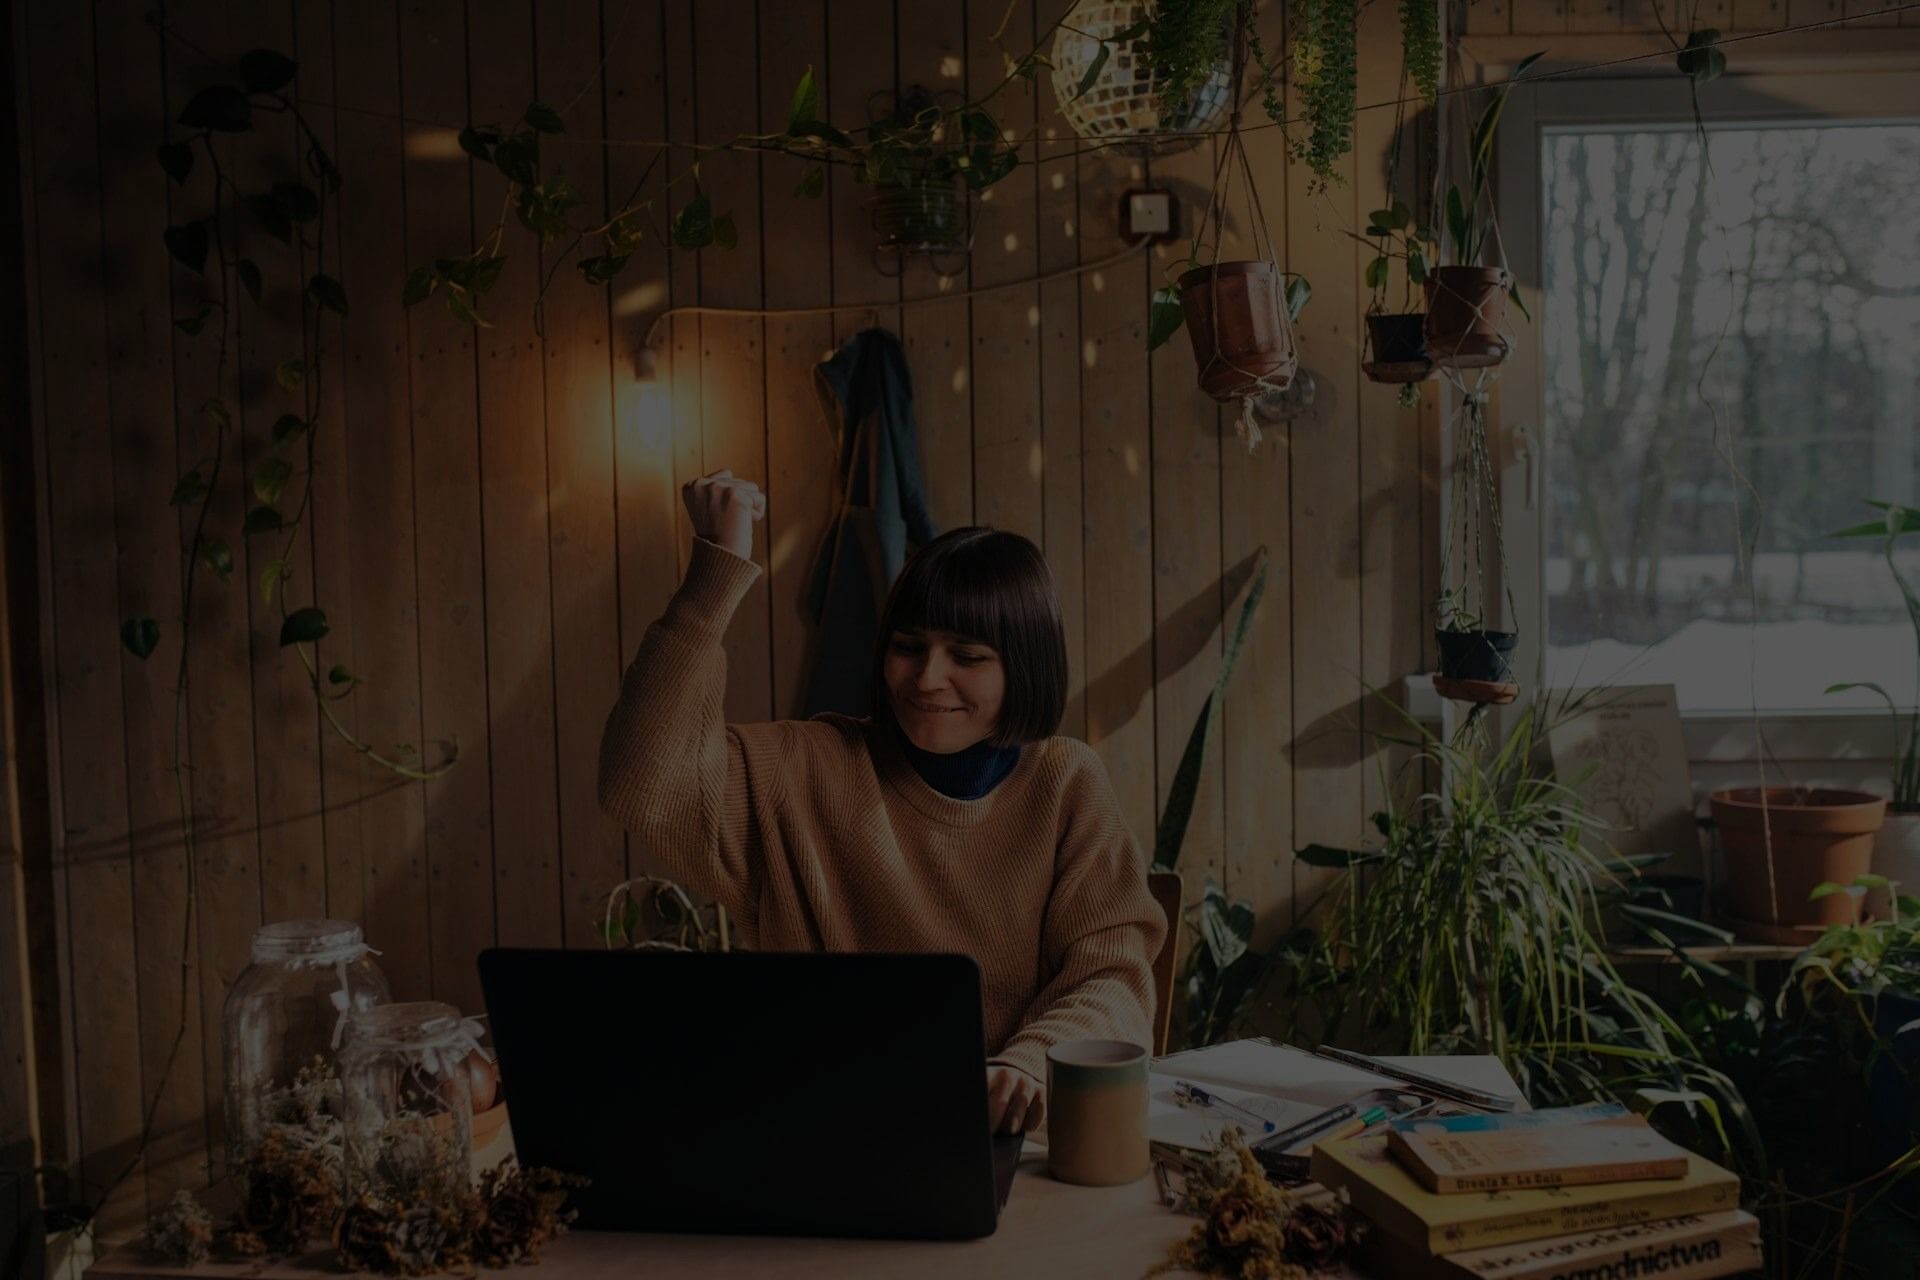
<point x="1048" y="1229"/>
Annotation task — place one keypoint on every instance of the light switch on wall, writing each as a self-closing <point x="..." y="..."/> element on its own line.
<point x="1149" y="212"/>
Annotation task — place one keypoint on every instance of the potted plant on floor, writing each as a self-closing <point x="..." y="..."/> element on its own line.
<point x="1896" y="853"/>
<point x="1466" y="297"/>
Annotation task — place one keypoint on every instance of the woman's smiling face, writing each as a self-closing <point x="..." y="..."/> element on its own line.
<point x="946" y="690"/>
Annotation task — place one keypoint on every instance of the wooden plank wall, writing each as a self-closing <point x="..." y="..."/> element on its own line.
<point x="495" y="511"/>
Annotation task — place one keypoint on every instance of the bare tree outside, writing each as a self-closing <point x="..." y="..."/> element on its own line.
<point x="1772" y="303"/>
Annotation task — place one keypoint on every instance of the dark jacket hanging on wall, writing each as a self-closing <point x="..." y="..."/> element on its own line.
<point x="881" y="510"/>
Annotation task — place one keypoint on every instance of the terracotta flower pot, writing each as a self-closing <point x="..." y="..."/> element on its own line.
<point x="1252" y="349"/>
<point x="1465" y="309"/>
<point x="1816" y="836"/>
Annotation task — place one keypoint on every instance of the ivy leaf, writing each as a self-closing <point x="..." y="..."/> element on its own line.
<point x="804" y="106"/>
<point x="262" y="520"/>
<point x="518" y="158"/>
<point x="463" y="311"/>
<point x="1377" y="273"/>
<point x="189" y="488"/>
<point x="273" y="219"/>
<point x="141" y="636"/>
<point x="544" y="118"/>
<point x="288" y="426"/>
<point x="693" y="225"/>
<point x="303" y="626"/>
<point x="193" y="324"/>
<point x="421" y="282"/>
<point x="188" y="245"/>
<point x="249" y="272"/>
<point x="724" y="233"/>
<point x="1700" y="61"/>
<point x="813" y="183"/>
<point x="264" y="70"/>
<point x="326" y="292"/>
<point x="1416" y="266"/>
<point x="218" y="556"/>
<point x="1094" y="68"/>
<point x="599" y="270"/>
<point x="176" y="158"/>
<point x="276" y="572"/>
<point x="479" y="143"/>
<point x="486" y="273"/>
<point x="270" y="476"/>
<point x="823" y="132"/>
<point x="1298" y="293"/>
<point x="289" y="374"/>
<point x="340" y="675"/>
<point x="625" y="233"/>
<point x="220" y="107"/>
<point x="1164" y="317"/>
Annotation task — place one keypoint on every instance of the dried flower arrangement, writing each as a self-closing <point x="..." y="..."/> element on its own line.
<point x="180" y="1235"/>
<point x="514" y="1214"/>
<point x="306" y="1113"/>
<point x="1253" y="1229"/>
<point x="292" y="1196"/>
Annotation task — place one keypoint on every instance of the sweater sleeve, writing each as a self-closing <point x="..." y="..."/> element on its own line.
<point x="1100" y="933"/>
<point x="671" y="770"/>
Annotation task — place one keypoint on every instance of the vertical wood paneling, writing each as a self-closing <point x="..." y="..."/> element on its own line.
<point x="83" y="593"/>
<point x="133" y="202"/>
<point x="514" y="525"/>
<point x="1057" y="233"/>
<point x="220" y="723"/>
<point x="446" y="499"/>
<point x="860" y="64"/>
<point x="580" y="467"/>
<point x="1759" y="15"/>
<point x="1539" y="17"/>
<point x="1007" y="453"/>
<point x="800" y="454"/>
<point x="381" y="539"/>
<point x="681" y="367"/>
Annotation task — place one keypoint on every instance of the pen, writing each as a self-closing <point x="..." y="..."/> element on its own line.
<point x="1353" y="1125"/>
<point x="1194" y="1093"/>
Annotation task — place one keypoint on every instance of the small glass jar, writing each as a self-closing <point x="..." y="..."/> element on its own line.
<point x="284" y="1022"/>
<point x="406" y="1100"/>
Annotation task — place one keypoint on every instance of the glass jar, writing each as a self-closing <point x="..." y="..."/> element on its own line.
<point x="284" y="1021"/>
<point x="406" y="1100"/>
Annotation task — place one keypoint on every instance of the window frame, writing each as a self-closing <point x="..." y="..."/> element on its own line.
<point x="1857" y="75"/>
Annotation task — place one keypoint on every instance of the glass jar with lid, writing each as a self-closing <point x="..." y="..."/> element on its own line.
<point x="284" y="1022"/>
<point x="406" y="1099"/>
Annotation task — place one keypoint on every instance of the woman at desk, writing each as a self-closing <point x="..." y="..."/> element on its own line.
<point x="950" y="820"/>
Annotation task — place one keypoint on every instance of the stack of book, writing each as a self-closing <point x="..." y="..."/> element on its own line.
<point x="1545" y="1195"/>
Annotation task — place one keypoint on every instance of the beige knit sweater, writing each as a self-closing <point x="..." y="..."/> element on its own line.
<point x="818" y="835"/>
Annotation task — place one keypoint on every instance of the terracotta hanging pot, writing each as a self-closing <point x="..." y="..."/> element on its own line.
<point x="1815" y="836"/>
<point x="1465" y="309"/>
<point x="1398" y="344"/>
<point x="1236" y="315"/>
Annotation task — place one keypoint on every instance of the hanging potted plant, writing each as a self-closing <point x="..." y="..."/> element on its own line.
<point x="1475" y="658"/>
<point x="1466" y="297"/>
<point x="1238" y="313"/>
<point x="922" y="160"/>
<point x="1396" y="337"/>
<point x="1896" y="853"/>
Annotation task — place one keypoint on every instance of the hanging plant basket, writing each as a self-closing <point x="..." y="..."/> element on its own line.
<point x="927" y="215"/>
<point x="1236" y="315"/>
<point x="1466" y="307"/>
<point x="1476" y="666"/>
<point x="1399" y="347"/>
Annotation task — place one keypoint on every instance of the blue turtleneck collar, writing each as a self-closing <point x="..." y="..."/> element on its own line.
<point x="962" y="775"/>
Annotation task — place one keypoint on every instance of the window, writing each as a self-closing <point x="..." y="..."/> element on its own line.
<point x="1725" y="359"/>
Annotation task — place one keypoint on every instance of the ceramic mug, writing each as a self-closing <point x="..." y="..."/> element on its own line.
<point x="1097" y="1112"/>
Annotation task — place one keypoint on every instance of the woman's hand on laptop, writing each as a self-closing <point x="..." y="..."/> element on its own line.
<point x="1016" y="1102"/>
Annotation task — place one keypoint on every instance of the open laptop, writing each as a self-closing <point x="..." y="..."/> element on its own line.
<point x="753" y="1093"/>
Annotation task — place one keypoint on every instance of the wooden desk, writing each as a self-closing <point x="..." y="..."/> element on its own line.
<point x="1048" y="1230"/>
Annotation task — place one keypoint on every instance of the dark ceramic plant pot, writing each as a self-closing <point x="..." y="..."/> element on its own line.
<point x="1465" y="309"/>
<point x="1893" y="1102"/>
<point x="1398" y="339"/>
<point x="1477" y="655"/>
<point x="1235" y="315"/>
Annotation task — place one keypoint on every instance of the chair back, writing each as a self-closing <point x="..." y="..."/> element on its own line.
<point x="1166" y="889"/>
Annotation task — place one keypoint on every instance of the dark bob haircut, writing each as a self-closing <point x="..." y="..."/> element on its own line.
<point x="993" y="588"/>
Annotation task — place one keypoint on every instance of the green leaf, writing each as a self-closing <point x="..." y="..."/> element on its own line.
<point x="188" y="245"/>
<point x="176" y="158"/>
<point x="1377" y="273"/>
<point x="220" y="107"/>
<point x="1457" y="226"/>
<point x="813" y="183"/>
<point x="217" y="556"/>
<point x="1519" y="303"/>
<point x="1416" y="266"/>
<point x="1400" y="217"/>
<point x="599" y="270"/>
<point x="823" y="132"/>
<point x="264" y="70"/>
<point x="544" y="118"/>
<point x="1299" y="294"/>
<point x="421" y="282"/>
<point x="327" y="292"/>
<point x="518" y="157"/>
<point x="338" y="674"/>
<point x="1164" y="316"/>
<point x="1223" y="941"/>
<point x="1700" y="61"/>
<point x="249" y="273"/>
<point x="804" y="105"/>
<point x="303" y="626"/>
<point x="289" y="374"/>
<point x="464" y="312"/>
<point x="479" y="142"/>
<point x="693" y="225"/>
<point x="193" y="324"/>
<point x="486" y="273"/>
<point x="322" y="165"/>
<point x="262" y="520"/>
<point x="1320" y="855"/>
<point x="1825" y="889"/>
<point x="1094" y="68"/>
<point x="271" y="577"/>
<point x="270" y="476"/>
<point x="141" y="636"/>
<point x="1667" y="919"/>
<point x="189" y="488"/>
<point x="272" y="217"/>
<point x="724" y="233"/>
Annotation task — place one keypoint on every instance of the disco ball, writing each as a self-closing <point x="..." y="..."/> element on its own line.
<point x="1123" y="104"/>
